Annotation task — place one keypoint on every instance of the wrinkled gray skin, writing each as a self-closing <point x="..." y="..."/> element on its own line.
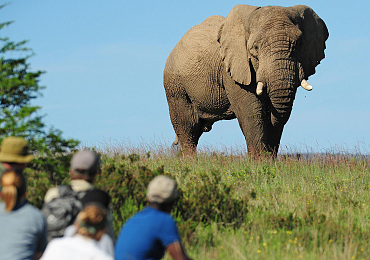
<point x="213" y="71"/>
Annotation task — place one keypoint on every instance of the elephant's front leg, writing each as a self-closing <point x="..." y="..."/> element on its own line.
<point x="274" y="138"/>
<point x="252" y="118"/>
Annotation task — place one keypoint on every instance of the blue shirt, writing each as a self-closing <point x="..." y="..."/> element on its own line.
<point x="146" y="235"/>
<point x="22" y="232"/>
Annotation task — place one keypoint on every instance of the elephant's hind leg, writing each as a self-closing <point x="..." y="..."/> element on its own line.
<point x="204" y="127"/>
<point x="186" y="123"/>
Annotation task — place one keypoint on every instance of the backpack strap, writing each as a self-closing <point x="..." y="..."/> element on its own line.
<point x="64" y="190"/>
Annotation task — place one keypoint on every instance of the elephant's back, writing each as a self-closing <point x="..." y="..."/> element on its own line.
<point x="203" y="35"/>
<point x="196" y="45"/>
<point x="208" y="28"/>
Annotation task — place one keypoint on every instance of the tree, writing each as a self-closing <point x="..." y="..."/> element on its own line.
<point x="18" y="117"/>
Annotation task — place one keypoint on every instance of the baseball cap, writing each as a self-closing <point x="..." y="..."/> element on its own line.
<point x="85" y="161"/>
<point x="162" y="189"/>
<point x="15" y="150"/>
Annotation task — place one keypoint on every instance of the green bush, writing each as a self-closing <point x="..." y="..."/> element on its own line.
<point x="126" y="179"/>
<point x="38" y="183"/>
<point x="208" y="199"/>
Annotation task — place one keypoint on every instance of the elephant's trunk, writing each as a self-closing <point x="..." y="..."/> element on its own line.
<point x="281" y="105"/>
<point x="281" y="88"/>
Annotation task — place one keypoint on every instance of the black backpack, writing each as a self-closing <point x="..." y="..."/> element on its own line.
<point x="62" y="211"/>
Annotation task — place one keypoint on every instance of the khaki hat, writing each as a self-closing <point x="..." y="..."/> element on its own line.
<point x="85" y="161"/>
<point x="15" y="150"/>
<point x="162" y="189"/>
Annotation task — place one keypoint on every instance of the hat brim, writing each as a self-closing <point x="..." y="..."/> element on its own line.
<point x="15" y="158"/>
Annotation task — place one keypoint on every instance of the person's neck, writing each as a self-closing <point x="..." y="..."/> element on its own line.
<point x="160" y="207"/>
<point x="14" y="166"/>
<point x="153" y="205"/>
<point x="20" y="203"/>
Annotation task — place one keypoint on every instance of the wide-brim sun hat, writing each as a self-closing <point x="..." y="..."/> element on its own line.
<point x="15" y="150"/>
<point x="162" y="189"/>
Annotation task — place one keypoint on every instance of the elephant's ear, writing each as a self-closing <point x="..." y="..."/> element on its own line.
<point x="314" y="35"/>
<point x="233" y="38"/>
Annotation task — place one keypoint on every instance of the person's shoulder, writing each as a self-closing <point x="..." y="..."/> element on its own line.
<point x="89" y="245"/>
<point x="58" y="191"/>
<point x="30" y="215"/>
<point x="159" y="214"/>
<point x="52" y="193"/>
<point x="102" y="256"/>
<point x="30" y="208"/>
<point x="33" y="211"/>
<point x="59" y="242"/>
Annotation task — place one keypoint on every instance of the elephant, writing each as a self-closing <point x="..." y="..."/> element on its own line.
<point x="246" y="66"/>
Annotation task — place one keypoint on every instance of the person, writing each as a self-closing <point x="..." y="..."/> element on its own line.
<point x="91" y="225"/>
<point x="152" y="231"/>
<point x="101" y="199"/>
<point x="85" y="165"/>
<point x="14" y="154"/>
<point x="23" y="228"/>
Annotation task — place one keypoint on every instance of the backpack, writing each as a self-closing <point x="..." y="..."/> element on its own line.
<point x="61" y="211"/>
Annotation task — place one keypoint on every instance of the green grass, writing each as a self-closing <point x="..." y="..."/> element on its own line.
<point x="237" y="207"/>
<point x="297" y="208"/>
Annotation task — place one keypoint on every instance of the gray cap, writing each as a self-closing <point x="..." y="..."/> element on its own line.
<point x="162" y="189"/>
<point x="85" y="162"/>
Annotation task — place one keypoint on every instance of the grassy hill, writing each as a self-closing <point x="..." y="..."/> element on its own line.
<point x="310" y="206"/>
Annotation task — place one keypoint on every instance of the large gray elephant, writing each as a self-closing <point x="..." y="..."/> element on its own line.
<point x="247" y="65"/>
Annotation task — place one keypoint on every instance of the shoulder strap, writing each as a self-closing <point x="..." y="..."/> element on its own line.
<point x="64" y="190"/>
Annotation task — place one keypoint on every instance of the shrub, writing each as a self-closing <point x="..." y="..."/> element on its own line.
<point x="207" y="199"/>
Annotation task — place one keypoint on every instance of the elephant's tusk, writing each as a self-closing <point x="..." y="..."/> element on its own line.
<point x="259" y="89"/>
<point x="305" y="85"/>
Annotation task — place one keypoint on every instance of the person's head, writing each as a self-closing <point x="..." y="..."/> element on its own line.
<point x="91" y="222"/>
<point x="85" y="165"/>
<point x="97" y="197"/>
<point x="162" y="192"/>
<point x="13" y="188"/>
<point x="14" y="153"/>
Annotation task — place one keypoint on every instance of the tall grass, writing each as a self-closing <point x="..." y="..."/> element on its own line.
<point x="312" y="206"/>
<point x="298" y="206"/>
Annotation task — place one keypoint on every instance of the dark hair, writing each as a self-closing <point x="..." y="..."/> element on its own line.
<point x="96" y="197"/>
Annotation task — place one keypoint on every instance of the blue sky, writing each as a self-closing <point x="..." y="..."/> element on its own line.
<point x="104" y="64"/>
